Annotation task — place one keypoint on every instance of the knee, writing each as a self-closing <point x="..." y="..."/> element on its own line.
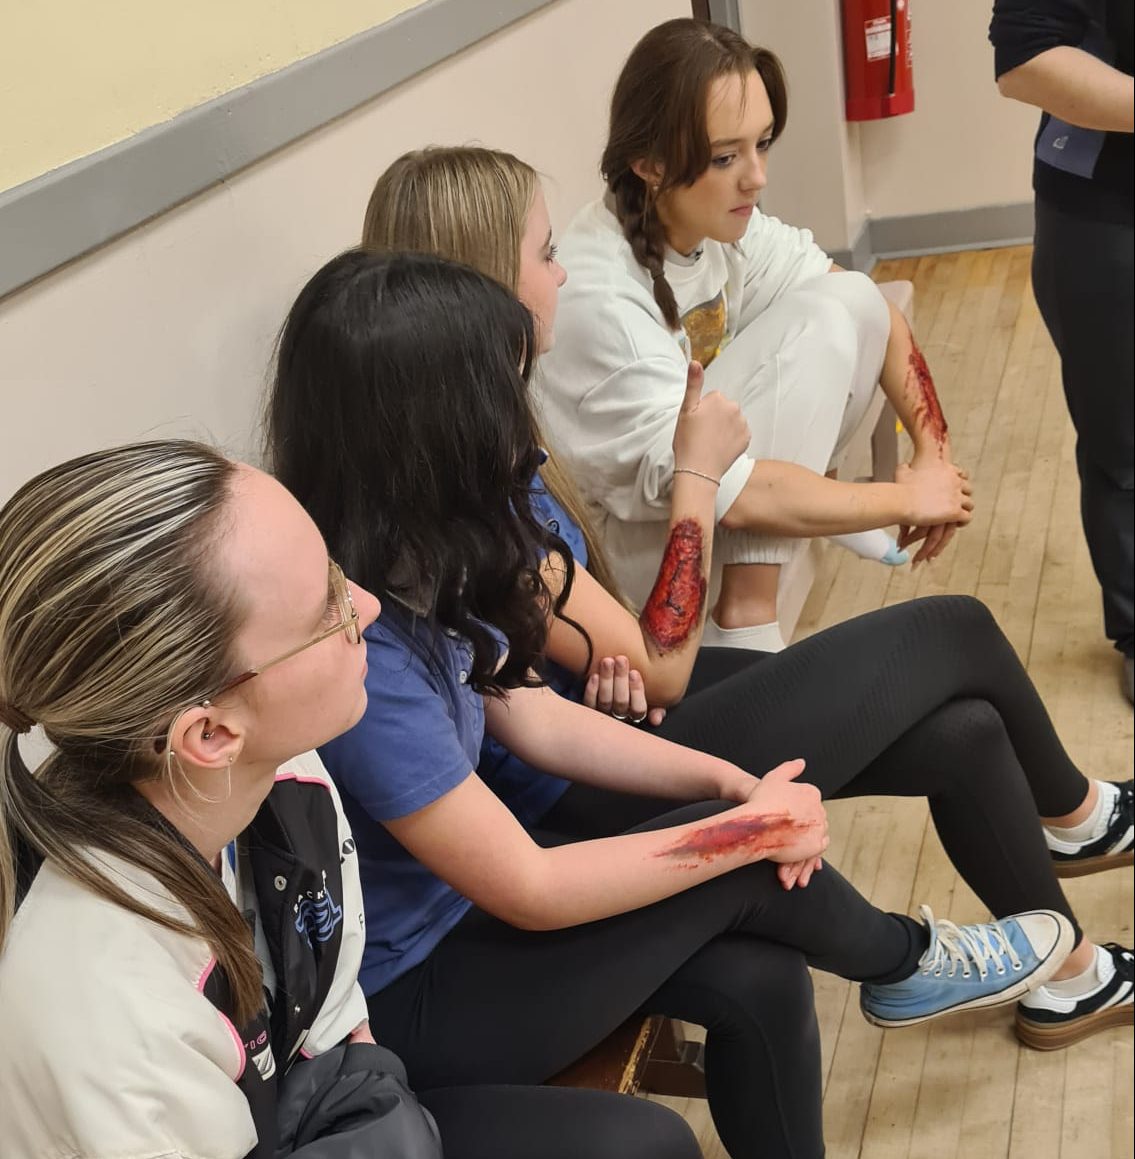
<point x="963" y="619"/>
<point x="960" y="731"/>
<point x="643" y="1130"/>
<point x="863" y="306"/>
<point x="760" y="984"/>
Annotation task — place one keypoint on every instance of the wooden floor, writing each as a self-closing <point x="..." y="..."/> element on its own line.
<point x="963" y="1087"/>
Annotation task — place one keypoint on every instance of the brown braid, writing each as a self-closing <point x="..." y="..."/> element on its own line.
<point x="658" y="118"/>
<point x="647" y="239"/>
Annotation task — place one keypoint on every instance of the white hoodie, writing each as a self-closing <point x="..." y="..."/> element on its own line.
<point x="610" y="389"/>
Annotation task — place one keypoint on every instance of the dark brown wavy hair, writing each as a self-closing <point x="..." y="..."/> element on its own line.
<point x="658" y="114"/>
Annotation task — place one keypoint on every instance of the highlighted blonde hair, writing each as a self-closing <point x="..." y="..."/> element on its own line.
<point x="111" y="621"/>
<point x="471" y="205"/>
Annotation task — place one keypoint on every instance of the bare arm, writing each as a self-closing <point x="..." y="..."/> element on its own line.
<point x="662" y="644"/>
<point x="1074" y="86"/>
<point x="560" y="737"/>
<point x="787" y="499"/>
<point x="908" y="384"/>
<point x="471" y="840"/>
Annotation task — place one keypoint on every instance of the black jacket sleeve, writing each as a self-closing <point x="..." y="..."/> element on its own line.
<point x="1022" y="29"/>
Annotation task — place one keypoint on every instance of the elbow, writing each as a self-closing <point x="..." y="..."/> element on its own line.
<point x="1009" y="85"/>
<point x="526" y="906"/>
<point x="667" y="690"/>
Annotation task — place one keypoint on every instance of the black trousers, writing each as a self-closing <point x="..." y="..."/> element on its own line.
<point x="496" y="1122"/>
<point x="1083" y="274"/>
<point x="923" y="699"/>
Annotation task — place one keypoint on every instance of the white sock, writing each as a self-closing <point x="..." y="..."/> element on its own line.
<point x="756" y="637"/>
<point x="1096" y="975"/>
<point x="1095" y="825"/>
<point x="876" y="545"/>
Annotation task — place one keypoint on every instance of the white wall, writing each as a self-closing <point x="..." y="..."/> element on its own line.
<point x="814" y="175"/>
<point x="169" y="329"/>
<point x="964" y="146"/>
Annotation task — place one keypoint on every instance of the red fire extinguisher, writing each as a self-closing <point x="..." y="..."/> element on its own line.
<point x="876" y="59"/>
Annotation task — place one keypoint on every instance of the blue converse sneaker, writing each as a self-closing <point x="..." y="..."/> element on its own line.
<point x="1113" y="848"/>
<point x="969" y="967"/>
<point x="1050" y="1018"/>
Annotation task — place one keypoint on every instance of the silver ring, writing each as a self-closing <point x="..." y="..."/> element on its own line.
<point x="618" y="716"/>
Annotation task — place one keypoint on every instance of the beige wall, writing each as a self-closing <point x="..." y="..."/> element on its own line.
<point x="169" y="329"/>
<point x="77" y="75"/>
<point x="814" y="177"/>
<point x="963" y="147"/>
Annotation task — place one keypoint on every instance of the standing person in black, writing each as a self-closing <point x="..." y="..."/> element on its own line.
<point x="1073" y="60"/>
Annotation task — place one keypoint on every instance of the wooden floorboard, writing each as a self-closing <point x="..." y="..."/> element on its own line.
<point x="963" y="1087"/>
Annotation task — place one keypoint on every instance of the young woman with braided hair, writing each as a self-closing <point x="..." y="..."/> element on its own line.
<point x="677" y="263"/>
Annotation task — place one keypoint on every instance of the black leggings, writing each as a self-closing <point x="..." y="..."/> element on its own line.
<point x="497" y="1122"/>
<point x="923" y="699"/>
<point x="501" y="1005"/>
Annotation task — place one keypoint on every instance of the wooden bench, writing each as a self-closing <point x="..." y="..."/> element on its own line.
<point x="643" y="1056"/>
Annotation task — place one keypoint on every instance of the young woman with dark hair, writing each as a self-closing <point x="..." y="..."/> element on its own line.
<point x="933" y="673"/>
<point x="491" y="956"/>
<point x="676" y="262"/>
<point x="181" y="920"/>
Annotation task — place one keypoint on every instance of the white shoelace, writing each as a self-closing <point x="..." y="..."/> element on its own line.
<point x="953" y="947"/>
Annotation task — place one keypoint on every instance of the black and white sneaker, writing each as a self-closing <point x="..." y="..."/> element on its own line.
<point x="1050" y="1021"/>
<point x="1115" y="848"/>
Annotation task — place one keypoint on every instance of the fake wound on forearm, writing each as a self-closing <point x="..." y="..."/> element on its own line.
<point x="673" y="609"/>
<point x="745" y="835"/>
<point x="920" y="384"/>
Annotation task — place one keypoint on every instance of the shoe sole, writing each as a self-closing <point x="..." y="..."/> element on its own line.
<point x="1038" y="1036"/>
<point x="1038" y="977"/>
<point x="1093" y="864"/>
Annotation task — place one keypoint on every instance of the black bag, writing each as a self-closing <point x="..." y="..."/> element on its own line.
<point x="352" y="1103"/>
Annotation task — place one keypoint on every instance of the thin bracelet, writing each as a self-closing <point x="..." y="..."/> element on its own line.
<point x="699" y="474"/>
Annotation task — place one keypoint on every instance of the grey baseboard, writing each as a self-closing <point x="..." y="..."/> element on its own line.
<point x="961" y="229"/>
<point x="933" y="233"/>
<point x="860" y="256"/>
<point x="61" y="215"/>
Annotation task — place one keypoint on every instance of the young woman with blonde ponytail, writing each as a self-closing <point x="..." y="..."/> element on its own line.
<point x="677" y="263"/>
<point x="181" y="921"/>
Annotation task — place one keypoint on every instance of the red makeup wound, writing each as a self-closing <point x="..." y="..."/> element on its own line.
<point x="928" y="410"/>
<point x="674" y="607"/>
<point x="737" y="835"/>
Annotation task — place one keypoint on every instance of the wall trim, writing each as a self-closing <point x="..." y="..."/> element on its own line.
<point x="727" y="13"/>
<point x="859" y="256"/>
<point x="959" y="229"/>
<point x="69" y="211"/>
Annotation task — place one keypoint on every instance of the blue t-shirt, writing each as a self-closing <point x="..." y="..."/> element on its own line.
<point x="529" y="792"/>
<point x="422" y="734"/>
<point x="418" y="739"/>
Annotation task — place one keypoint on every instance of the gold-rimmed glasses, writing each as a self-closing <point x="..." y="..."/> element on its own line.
<point x="340" y="592"/>
<point x="348" y="623"/>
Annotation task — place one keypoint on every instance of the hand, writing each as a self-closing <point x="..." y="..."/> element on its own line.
<point x="934" y="540"/>
<point x="938" y="493"/>
<point x="617" y="689"/>
<point x="776" y="794"/>
<point x="711" y="430"/>
<point x="799" y="873"/>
